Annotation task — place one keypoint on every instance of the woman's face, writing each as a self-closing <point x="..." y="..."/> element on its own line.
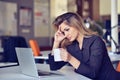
<point x="70" y="32"/>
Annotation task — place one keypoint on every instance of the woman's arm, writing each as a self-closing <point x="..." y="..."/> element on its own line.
<point x="74" y="62"/>
<point x="58" y="37"/>
<point x="92" y="68"/>
<point x="55" y="65"/>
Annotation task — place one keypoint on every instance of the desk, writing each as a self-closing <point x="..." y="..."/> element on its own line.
<point x="114" y="57"/>
<point x="67" y="71"/>
<point x="13" y="73"/>
<point x="7" y="64"/>
<point x="44" y="55"/>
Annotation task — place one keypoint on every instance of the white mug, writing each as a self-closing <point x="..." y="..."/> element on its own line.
<point x="57" y="56"/>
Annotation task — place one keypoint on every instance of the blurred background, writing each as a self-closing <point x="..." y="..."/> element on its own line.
<point x="32" y="19"/>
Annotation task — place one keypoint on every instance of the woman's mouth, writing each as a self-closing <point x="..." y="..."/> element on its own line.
<point x="69" y="38"/>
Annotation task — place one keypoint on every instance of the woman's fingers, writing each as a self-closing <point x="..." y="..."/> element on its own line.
<point x="64" y="55"/>
<point x="59" y="36"/>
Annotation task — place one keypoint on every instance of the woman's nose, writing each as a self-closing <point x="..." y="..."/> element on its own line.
<point x="66" y="34"/>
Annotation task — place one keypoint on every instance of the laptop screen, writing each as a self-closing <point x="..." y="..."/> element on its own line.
<point x="26" y="61"/>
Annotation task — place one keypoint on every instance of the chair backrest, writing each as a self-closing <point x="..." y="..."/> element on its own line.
<point x="118" y="67"/>
<point x="34" y="45"/>
<point x="9" y="43"/>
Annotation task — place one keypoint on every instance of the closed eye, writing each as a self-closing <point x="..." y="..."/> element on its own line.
<point x="67" y="29"/>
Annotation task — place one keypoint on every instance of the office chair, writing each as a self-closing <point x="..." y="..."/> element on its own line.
<point x="36" y="50"/>
<point x="9" y="43"/>
<point x="34" y="46"/>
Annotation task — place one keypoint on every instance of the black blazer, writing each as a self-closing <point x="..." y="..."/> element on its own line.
<point x="95" y="62"/>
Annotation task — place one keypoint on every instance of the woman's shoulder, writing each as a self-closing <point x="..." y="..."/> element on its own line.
<point x="88" y="40"/>
<point x="93" y="37"/>
<point x="96" y="41"/>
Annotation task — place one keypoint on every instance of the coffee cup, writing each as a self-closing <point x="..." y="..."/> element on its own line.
<point x="57" y="56"/>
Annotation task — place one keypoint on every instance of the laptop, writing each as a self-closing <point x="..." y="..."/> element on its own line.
<point x="28" y="66"/>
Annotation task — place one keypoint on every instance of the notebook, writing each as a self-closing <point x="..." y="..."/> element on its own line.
<point x="27" y="64"/>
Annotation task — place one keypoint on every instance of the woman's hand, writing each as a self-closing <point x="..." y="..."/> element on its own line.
<point x="65" y="56"/>
<point x="59" y="36"/>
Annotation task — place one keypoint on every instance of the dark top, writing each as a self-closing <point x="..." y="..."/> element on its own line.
<point x="95" y="62"/>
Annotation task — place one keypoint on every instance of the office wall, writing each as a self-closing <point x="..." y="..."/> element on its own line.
<point x="118" y="6"/>
<point x="8" y="23"/>
<point x="29" y="31"/>
<point x="41" y="32"/>
<point x="2" y="20"/>
<point x="105" y="7"/>
<point x="25" y="12"/>
<point x="25" y="21"/>
<point x="41" y="18"/>
<point x="11" y="22"/>
<point x="26" y="30"/>
<point x="42" y="22"/>
<point x="56" y="8"/>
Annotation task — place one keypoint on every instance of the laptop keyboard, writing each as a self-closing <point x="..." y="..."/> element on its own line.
<point x="45" y="73"/>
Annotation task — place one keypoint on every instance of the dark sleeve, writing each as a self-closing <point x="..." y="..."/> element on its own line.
<point x="55" y="65"/>
<point x="92" y="68"/>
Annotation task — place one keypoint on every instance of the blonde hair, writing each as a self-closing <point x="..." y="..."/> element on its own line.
<point x="74" y="20"/>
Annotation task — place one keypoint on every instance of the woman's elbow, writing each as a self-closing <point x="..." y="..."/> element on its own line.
<point x="93" y="75"/>
<point x="53" y="68"/>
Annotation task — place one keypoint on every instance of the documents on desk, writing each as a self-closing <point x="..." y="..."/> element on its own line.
<point x="114" y="57"/>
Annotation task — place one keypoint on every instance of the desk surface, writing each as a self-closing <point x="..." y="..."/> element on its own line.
<point x="67" y="73"/>
<point x="44" y="55"/>
<point x="113" y="57"/>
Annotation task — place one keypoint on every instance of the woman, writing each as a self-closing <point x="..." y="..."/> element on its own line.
<point x="82" y="48"/>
